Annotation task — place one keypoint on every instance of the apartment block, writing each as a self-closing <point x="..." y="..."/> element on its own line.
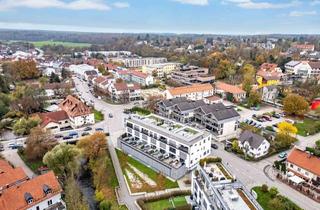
<point x="214" y="188"/>
<point x="134" y="62"/>
<point x="167" y="146"/>
<point x="188" y="75"/>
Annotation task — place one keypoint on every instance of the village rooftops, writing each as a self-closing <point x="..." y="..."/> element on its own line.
<point x="10" y="176"/>
<point x="168" y="128"/>
<point x="305" y="160"/>
<point x="29" y="193"/>
<point x="253" y="139"/>
<point x="190" y="89"/>
<point x="269" y="75"/>
<point x="74" y="107"/>
<point x="229" y="88"/>
<point x="56" y="117"/>
<point x="219" y="111"/>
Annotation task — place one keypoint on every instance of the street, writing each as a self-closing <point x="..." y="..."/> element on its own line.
<point x="249" y="173"/>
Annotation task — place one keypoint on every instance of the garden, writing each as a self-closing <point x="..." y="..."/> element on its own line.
<point x="140" y="177"/>
<point x="98" y="116"/>
<point x="270" y="199"/>
<point x="308" y="127"/>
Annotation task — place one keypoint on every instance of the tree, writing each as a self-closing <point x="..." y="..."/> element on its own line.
<point x="105" y="205"/>
<point x="93" y="146"/>
<point x="22" y="69"/>
<point x="287" y="128"/>
<point x="23" y="125"/>
<point x="43" y="81"/>
<point x="276" y="203"/>
<point x="225" y="69"/>
<point x="254" y="98"/>
<point x="264" y="188"/>
<point x="152" y="101"/>
<point x="4" y="104"/>
<point x="63" y="159"/>
<point x="119" y="80"/>
<point x="54" y="78"/>
<point x="38" y="143"/>
<point x="283" y="141"/>
<point x="102" y="69"/>
<point x="248" y="74"/>
<point x="74" y="199"/>
<point x="273" y="191"/>
<point x="294" y="104"/>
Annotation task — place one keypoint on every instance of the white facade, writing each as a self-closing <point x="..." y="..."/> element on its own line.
<point x="161" y="69"/>
<point x="300" y="68"/>
<point x="255" y="152"/>
<point x="47" y="203"/>
<point x="139" y="62"/>
<point x="195" y="94"/>
<point x="82" y="120"/>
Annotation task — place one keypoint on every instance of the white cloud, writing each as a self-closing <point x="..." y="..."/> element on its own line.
<point x="251" y="4"/>
<point x="61" y="4"/>
<point x="121" y="4"/>
<point x="302" y="13"/>
<point x="194" y="2"/>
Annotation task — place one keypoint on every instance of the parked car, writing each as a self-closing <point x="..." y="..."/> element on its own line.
<point x="289" y="121"/>
<point x="276" y="115"/>
<point x="214" y="146"/>
<point x="87" y="129"/>
<point x="67" y="137"/>
<point x="15" y="146"/>
<point x="85" y="134"/>
<point x="73" y="133"/>
<point x="282" y="155"/>
<point x="58" y="136"/>
<point x="110" y="115"/>
<point x="99" y="129"/>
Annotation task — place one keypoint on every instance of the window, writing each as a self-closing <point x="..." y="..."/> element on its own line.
<point x="49" y="202"/>
<point x="38" y="208"/>
<point x="299" y="169"/>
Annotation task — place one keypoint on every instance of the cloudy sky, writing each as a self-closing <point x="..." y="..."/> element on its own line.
<point x="178" y="16"/>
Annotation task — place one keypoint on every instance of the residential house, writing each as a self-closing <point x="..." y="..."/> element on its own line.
<point x="83" y="71"/>
<point x="270" y="67"/>
<point x="134" y="76"/>
<point x="253" y="144"/>
<point x="304" y="165"/>
<point x="58" y="90"/>
<point x="124" y="93"/>
<point x="304" y="47"/>
<point x="167" y="146"/>
<point x="191" y="92"/>
<point x="304" y="69"/>
<point x="55" y="121"/>
<point x="229" y="92"/>
<point x="164" y="107"/>
<point x="267" y="78"/>
<point x="214" y="187"/>
<point x="79" y="114"/>
<point x="269" y="94"/>
<point x="188" y="75"/>
<point x="42" y="192"/>
<point x="220" y="120"/>
<point x="213" y="99"/>
<point x="184" y="111"/>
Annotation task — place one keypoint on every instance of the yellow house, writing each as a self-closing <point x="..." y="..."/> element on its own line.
<point x="265" y="78"/>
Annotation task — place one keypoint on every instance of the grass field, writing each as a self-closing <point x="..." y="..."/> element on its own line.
<point x="124" y="159"/>
<point x="265" y="197"/>
<point x="307" y="126"/>
<point x="33" y="165"/>
<point x="65" y="44"/>
<point x="167" y="203"/>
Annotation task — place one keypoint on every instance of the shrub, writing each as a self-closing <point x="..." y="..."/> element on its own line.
<point x="105" y="205"/>
<point x="210" y="160"/>
<point x="264" y="188"/>
<point x="273" y="192"/>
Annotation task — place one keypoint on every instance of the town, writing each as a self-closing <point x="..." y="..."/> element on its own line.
<point x="155" y="121"/>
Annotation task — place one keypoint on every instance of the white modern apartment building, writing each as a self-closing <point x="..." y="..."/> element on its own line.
<point x="160" y="69"/>
<point x="306" y="69"/>
<point x="133" y="62"/>
<point x="167" y="146"/>
<point x="214" y="188"/>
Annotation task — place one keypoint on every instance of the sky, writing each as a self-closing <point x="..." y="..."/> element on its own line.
<point x="164" y="16"/>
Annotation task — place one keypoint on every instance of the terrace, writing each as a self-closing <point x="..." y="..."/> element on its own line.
<point x="221" y="190"/>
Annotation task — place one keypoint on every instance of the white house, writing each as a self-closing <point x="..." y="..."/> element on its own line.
<point x="79" y="114"/>
<point x="160" y="69"/>
<point x="134" y="76"/>
<point x="299" y="68"/>
<point x="191" y="92"/>
<point x="253" y="144"/>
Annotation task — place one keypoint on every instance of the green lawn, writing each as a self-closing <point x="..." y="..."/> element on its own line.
<point x="65" y="44"/>
<point x="167" y="203"/>
<point x="123" y="158"/>
<point x="264" y="198"/>
<point x="98" y="116"/>
<point x="308" y="126"/>
<point x="33" y="165"/>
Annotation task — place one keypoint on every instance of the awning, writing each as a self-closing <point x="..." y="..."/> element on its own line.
<point x="296" y="179"/>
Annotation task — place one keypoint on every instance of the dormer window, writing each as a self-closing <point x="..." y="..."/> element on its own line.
<point x="46" y="189"/>
<point x="28" y="198"/>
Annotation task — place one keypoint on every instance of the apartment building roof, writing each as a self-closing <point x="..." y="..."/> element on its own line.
<point x="229" y="88"/>
<point x="253" y="139"/>
<point x="305" y="160"/>
<point x="134" y="73"/>
<point x="38" y="189"/>
<point x="293" y="63"/>
<point x="74" y="107"/>
<point x="269" y="75"/>
<point x="314" y="65"/>
<point x="49" y="117"/>
<point x="219" y="111"/>
<point x="168" y="128"/>
<point x="190" y="89"/>
<point x="173" y="101"/>
<point x="189" y="105"/>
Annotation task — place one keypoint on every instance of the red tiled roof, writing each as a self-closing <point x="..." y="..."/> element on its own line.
<point x="13" y="197"/>
<point x="269" y="75"/>
<point x="268" y="66"/>
<point x="229" y="88"/>
<point x="74" y="107"/>
<point x="10" y="176"/>
<point x="110" y="66"/>
<point x="304" y="160"/>
<point x="121" y="86"/>
<point x="57" y="116"/>
<point x="190" y="89"/>
<point x="138" y="74"/>
<point x="100" y="79"/>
